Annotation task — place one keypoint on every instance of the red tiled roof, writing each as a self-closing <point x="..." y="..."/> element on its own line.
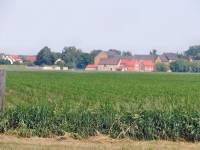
<point x="147" y="63"/>
<point x="31" y="58"/>
<point x="128" y="62"/>
<point x="15" y="57"/>
<point x="91" y="66"/>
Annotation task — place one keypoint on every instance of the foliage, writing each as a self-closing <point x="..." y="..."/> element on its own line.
<point x="126" y="53"/>
<point x="56" y="56"/>
<point x="70" y="56"/>
<point x="45" y="57"/>
<point x="16" y="63"/>
<point x="161" y="67"/>
<point x="4" y="62"/>
<point x="153" y="52"/>
<point x="83" y="60"/>
<point x="193" y="51"/>
<point x="75" y="58"/>
<point x="134" y="105"/>
<point x="180" y="66"/>
<point x="195" y="66"/>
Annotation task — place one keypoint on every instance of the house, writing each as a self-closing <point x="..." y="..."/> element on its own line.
<point x="30" y="58"/>
<point x="16" y="58"/>
<point x="101" y="55"/>
<point x="168" y="57"/>
<point x="147" y="66"/>
<point x="163" y="59"/>
<point x="91" y="67"/>
<point x="109" y="64"/>
<point x="129" y="64"/>
<point x="97" y="59"/>
<point x="12" y="58"/>
<point x="147" y="62"/>
<point x="145" y="57"/>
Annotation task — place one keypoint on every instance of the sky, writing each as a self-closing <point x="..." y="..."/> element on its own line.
<point x="26" y="26"/>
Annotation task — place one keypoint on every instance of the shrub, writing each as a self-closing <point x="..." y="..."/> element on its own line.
<point x="180" y="66"/>
<point x="161" y="67"/>
<point x="4" y="62"/>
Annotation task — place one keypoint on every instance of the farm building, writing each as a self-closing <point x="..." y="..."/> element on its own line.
<point x="29" y="58"/>
<point x="91" y="67"/>
<point x="109" y="64"/>
<point x="12" y="58"/>
<point x="129" y="64"/>
<point x="146" y="66"/>
<point x="105" y="62"/>
<point x="145" y="57"/>
<point x="101" y="55"/>
<point x="168" y="57"/>
<point x="146" y="62"/>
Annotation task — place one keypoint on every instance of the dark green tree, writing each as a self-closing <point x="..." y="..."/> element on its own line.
<point x="4" y="62"/>
<point x="193" y="51"/>
<point x="45" y="57"/>
<point x="126" y="53"/>
<point x="180" y="66"/>
<point x="83" y="60"/>
<point x="153" y="52"/>
<point x="70" y="56"/>
<point x="56" y="56"/>
<point x="195" y="66"/>
<point x="161" y="67"/>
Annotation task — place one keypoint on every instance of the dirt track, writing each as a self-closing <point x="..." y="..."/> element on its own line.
<point x="93" y="143"/>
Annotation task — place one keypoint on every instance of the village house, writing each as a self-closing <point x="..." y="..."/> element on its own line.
<point x="91" y="67"/>
<point x="129" y="64"/>
<point x="29" y="58"/>
<point x="145" y="57"/>
<point x="168" y="58"/>
<point x="146" y="62"/>
<point x="99" y="57"/>
<point x="103" y="62"/>
<point x="12" y="58"/>
<point x="147" y="66"/>
<point x="18" y="58"/>
<point x="109" y="64"/>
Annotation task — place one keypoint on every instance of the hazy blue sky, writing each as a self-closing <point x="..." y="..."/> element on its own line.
<point x="135" y="25"/>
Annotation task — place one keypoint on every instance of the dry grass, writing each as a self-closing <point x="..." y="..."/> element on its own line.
<point x="93" y="143"/>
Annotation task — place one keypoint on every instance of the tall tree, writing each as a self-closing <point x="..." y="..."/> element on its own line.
<point x="126" y="53"/>
<point x="180" y="65"/>
<point x="70" y="56"/>
<point x="193" y="51"/>
<point x="83" y="60"/>
<point x="45" y="57"/>
<point x="153" y="52"/>
<point x="56" y="55"/>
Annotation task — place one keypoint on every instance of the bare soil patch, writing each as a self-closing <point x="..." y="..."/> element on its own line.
<point x="93" y="143"/>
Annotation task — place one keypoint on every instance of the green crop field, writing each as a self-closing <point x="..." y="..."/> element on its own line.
<point x="140" y="106"/>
